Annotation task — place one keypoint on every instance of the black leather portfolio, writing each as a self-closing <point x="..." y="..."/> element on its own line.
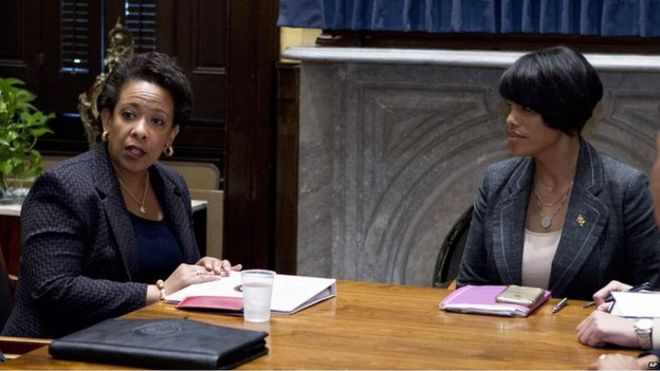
<point x="161" y="343"/>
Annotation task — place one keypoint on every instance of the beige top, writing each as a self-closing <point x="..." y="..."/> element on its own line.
<point x="538" y="251"/>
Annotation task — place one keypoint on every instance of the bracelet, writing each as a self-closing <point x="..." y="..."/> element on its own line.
<point x="161" y="287"/>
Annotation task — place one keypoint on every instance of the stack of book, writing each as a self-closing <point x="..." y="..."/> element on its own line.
<point x="484" y="300"/>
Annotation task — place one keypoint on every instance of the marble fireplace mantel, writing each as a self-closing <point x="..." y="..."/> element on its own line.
<point x="393" y="143"/>
<point x="473" y="58"/>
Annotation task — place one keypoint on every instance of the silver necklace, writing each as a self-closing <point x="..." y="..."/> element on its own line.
<point x="548" y="188"/>
<point x="541" y="203"/>
<point x="546" y="220"/>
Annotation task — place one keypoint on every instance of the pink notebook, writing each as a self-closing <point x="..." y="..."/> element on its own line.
<point x="481" y="300"/>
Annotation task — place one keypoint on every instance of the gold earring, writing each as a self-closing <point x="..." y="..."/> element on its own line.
<point x="104" y="136"/>
<point x="168" y="151"/>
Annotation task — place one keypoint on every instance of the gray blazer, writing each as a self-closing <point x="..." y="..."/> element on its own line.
<point x="79" y="255"/>
<point x="619" y="239"/>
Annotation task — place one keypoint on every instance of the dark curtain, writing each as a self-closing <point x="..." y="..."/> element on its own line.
<point x="579" y="17"/>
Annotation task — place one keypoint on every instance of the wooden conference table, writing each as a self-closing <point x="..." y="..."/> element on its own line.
<point x="381" y="326"/>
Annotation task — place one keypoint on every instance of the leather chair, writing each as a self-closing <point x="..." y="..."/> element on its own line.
<point x="451" y="252"/>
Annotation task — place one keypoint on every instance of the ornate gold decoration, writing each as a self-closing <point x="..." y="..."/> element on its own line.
<point x="580" y="220"/>
<point x="121" y="46"/>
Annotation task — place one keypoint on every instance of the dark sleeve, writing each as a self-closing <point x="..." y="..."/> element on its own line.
<point x="642" y="237"/>
<point x="70" y="268"/>
<point x="474" y="264"/>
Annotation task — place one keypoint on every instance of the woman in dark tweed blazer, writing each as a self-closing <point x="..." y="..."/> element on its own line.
<point x="110" y="231"/>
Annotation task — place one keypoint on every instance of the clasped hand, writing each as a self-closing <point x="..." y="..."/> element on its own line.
<point x="206" y="269"/>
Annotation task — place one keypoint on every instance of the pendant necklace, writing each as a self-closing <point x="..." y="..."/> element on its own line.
<point x="548" y="188"/>
<point x="140" y="203"/>
<point x="546" y="220"/>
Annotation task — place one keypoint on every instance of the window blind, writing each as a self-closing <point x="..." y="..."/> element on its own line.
<point x="141" y="22"/>
<point x="73" y="36"/>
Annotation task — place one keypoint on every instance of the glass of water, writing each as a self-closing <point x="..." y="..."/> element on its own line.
<point x="257" y="293"/>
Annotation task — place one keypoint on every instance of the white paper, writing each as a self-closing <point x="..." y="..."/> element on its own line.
<point x="290" y="293"/>
<point x="635" y="304"/>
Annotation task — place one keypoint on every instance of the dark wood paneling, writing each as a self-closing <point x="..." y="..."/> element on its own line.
<point x="166" y="26"/>
<point x="12" y="19"/>
<point x="208" y="56"/>
<point x="286" y="209"/>
<point x="197" y="40"/>
<point x="209" y="22"/>
<point x="249" y="206"/>
<point x="20" y="42"/>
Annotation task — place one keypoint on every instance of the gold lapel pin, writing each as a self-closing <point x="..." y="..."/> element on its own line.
<point x="580" y="220"/>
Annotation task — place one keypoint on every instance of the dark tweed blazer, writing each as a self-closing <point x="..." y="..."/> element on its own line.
<point x="79" y="255"/>
<point x="619" y="239"/>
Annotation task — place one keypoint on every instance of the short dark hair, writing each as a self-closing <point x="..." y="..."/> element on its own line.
<point x="558" y="83"/>
<point x="153" y="67"/>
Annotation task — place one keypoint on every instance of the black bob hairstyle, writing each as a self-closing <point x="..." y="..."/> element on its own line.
<point x="558" y="83"/>
<point x="156" y="68"/>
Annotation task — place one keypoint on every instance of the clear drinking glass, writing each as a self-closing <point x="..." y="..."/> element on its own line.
<point x="257" y="293"/>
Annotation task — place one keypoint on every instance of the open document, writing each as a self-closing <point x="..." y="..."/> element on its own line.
<point x="290" y="293"/>
<point x="636" y="304"/>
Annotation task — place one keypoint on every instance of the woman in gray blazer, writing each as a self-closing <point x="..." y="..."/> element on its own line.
<point x="559" y="215"/>
<point x="110" y="231"/>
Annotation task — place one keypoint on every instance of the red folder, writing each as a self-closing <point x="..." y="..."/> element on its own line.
<point x="482" y="300"/>
<point x="220" y="303"/>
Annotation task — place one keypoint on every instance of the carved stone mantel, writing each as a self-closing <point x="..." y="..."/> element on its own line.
<point x="393" y="143"/>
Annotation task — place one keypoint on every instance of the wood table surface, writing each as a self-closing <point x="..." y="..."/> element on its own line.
<point x="383" y="326"/>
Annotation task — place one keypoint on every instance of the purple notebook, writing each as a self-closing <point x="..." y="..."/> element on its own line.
<point x="481" y="300"/>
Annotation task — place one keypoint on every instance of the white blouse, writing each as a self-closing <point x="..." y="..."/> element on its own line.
<point x="538" y="251"/>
